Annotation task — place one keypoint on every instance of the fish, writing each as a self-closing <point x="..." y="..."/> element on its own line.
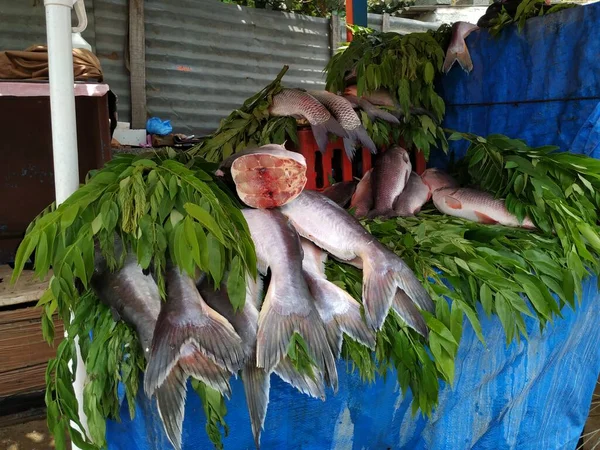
<point x="477" y="206"/>
<point x="190" y="339"/>
<point x="299" y="104"/>
<point x="383" y="98"/>
<point x="362" y="200"/>
<point x="267" y="176"/>
<point x="131" y="295"/>
<point x="311" y="386"/>
<point x="343" y="112"/>
<point x="341" y="192"/>
<point x="373" y="112"/>
<point x="457" y="49"/>
<point x="288" y="307"/>
<point x="334" y="230"/>
<point x="134" y="298"/>
<point x="257" y="382"/>
<point x="437" y="179"/>
<point x="379" y="97"/>
<point x="338" y="310"/>
<point x="390" y="175"/>
<point x="415" y="194"/>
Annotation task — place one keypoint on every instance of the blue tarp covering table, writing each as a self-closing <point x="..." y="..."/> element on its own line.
<point x="542" y="86"/>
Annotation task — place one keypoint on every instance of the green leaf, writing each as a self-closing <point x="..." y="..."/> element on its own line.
<point x="204" y="218"/>
<point x="215" y="261"/>
<point x="236" y="284"/>
<point x="428" y="73"/>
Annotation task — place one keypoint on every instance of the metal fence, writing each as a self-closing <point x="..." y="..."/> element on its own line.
<point x="203" y="59"/>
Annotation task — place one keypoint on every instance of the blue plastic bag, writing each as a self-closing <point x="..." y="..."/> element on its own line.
<point x="160" y="127"/>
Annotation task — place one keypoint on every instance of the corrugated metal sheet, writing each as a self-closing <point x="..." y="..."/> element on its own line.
<point x="204" y="61"/>
<point x="23" y="25"/>
<point x="112" y="23"/>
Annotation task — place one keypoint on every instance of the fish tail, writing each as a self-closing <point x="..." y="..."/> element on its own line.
<point x="361" y="135"/>
<point x="257" y="384"/>
<point x="208" y="351"/>
<point x="404" y="307"/>
<point x="383" y="273"/>
<point x="313" y="387"/>
<point x="349" y="320"/>
<point x="320" y="132"/>
<point x="458" y="51"/>
<point x="170" y="399"/>
<point x="373" y="112"/>
<point x="275" y="333"/>
<point x="349" y="147"/>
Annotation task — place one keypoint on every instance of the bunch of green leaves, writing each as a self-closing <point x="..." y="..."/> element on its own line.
<point x="249" y="126"/>
<point x="558" y="191"/>
<point x="525" y="11"/>
<point x="405" y="67"/>
<point x="215" y="411"/>
<point x="160" y="205"/>
<point x="513" y="273"/>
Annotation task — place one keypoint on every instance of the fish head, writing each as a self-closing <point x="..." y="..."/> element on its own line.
<point x="438" y="179"/>
<point x="351" y="90"/>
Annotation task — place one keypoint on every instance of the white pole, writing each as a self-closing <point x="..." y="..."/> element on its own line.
<point x="64" y="131"/>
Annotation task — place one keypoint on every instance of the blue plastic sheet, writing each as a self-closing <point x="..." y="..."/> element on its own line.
<point x="541" y="86"/>
<point x="155" y="125"/>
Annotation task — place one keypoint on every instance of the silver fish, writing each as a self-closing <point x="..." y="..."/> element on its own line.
<point x="341" y="192"/>
<point x="313" y="387"/>
<point x="457" y="49"/>
<point x="267" y="176"/>
<point x="131" y="295"/>
<point x="373" y="112"/>
<point x="288" y="306"/>
<point x="321" y="221"/>
<point x="413" y="197"/>
<point x="338" y="310"/>
<point x="190" y="339"/>
<point x="477" y="206"/>
<point x="390" y="175"/>
<point x="362" y="200"/>
<point x="437" y="179"/>
<point x="344" y="113"/>
<point x="299" y="104"/>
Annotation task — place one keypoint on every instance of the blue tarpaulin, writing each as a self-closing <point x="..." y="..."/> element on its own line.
<point x="542" y="86"/>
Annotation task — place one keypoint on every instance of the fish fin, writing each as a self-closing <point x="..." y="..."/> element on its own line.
<point x="346" y="317"/>
<point x="484" y="218"/>
<point x="452" y="202"/>
<point x="170" y="399"/>
<point x="385" y="213"/>
<point x="383" y="273"/>
<point x="201" y="367"/>
<point x="275" y="333"/>
<point x="349" y="144"/>
<point x="257" y="384"/>
<point x="212" y="336"/>
<point x="405" y="308"/>
<point x="313" y="387"/>
<point x="320" y="132"/>
<point x="361" y="135"/>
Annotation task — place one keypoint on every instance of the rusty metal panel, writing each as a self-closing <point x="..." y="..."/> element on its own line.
<point x="204" y="59"/>
<point x="22" y="24"/>
<point x="112" y="22"/>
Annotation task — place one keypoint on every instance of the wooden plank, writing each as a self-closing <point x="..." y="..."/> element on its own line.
<point x="21" y="341"/>
<point x="23" y="380"/>
<point x="137" y="64"/>
<point x="29" y="288"/>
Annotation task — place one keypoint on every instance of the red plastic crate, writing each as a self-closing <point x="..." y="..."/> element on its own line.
<point x="307" y="146"/>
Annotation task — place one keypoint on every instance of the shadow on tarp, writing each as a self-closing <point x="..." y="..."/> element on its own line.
<point x="541" y="86"/>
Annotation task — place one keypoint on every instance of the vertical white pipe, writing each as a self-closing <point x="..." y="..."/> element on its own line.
<point x="64" y="130"/>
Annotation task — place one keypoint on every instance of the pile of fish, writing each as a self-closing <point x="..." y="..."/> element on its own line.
<point x="392" y="189"/>
<point x="327" y="112"/>
<point x="196" y="332"/>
